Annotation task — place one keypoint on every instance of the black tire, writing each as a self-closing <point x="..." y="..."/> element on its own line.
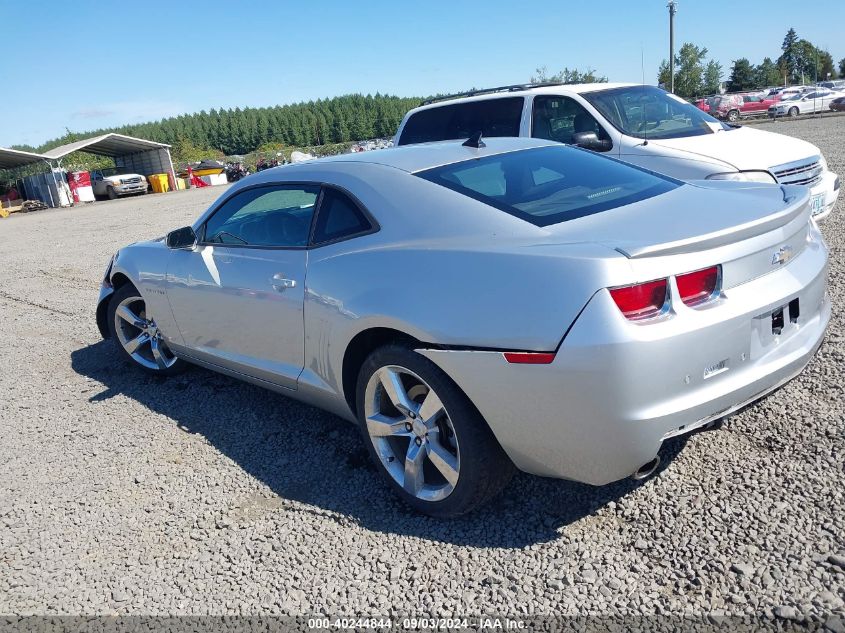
<point x="111" y="194"/>
<point x="793" y="112"/>
<point x="484" y="470"/>
<point x="733" y="116"/>
<point x="123" y="294"/>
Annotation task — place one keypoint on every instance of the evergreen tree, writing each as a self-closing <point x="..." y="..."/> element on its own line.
<point x="790" y="59"/>
<point x="742" y="76"/>
<point x="767" y="74"/>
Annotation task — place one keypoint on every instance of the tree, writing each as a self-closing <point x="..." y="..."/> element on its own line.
<point x="767" y="74"/>
<point x="567" y="76"/>
<point x="663" y="75"/>
<point x="689" y="80"/>
<point x="825" y="65"/>
<point x="842" y="67"/>
<point x="712" y="77"/>
<point x="742" y="76"/>
<point x="790" y="59"/>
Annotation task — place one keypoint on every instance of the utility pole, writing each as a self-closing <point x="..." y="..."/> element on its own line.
<point x="672" y="9"/>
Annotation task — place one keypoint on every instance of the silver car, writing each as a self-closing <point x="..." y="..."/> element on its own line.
<point x="475" y="308"/>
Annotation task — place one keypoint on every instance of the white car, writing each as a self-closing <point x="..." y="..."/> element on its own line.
<point x="806" y="103"/>
<point x="638" y="124"/>
<point x="111" y="183"/>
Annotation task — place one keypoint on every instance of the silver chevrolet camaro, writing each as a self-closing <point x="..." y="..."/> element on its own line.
<point x="478" y="307"/>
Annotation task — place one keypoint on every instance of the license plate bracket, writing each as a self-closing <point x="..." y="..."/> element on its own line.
<point x="817" y="204"/>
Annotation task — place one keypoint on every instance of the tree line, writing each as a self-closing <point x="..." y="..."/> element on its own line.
<point x="242" y="130"/>
<point x="800" y="61"/>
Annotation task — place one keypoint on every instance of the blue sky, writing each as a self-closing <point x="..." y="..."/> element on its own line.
<point x="100" y="66"/>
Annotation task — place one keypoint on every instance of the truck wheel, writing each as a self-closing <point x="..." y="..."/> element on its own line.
<point x="733" y="116"/>
<point x="112" y="195"/>
<point x="793" y="112"/>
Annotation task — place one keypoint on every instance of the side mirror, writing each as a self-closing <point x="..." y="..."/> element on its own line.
<point x="591" y="141"/>
<point x="181" y="238"/>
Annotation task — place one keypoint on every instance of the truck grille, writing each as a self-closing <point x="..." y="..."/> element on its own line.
<point x="801" y="172"/>
<point x="130" y="181"/>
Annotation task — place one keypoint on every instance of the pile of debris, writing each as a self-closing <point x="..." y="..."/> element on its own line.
<point x="33" y="205"/>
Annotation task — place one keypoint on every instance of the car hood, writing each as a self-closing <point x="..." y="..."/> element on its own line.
<point x="743" y="148"/>
<point x="696" y="216"/>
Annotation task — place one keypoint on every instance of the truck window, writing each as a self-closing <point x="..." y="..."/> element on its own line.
<point x="492" y="117"/>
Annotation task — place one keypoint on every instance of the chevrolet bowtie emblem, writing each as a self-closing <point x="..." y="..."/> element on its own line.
<point x="782" y="255"/>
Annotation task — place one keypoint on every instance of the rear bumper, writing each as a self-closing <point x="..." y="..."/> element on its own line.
<point x="616" y="390"/>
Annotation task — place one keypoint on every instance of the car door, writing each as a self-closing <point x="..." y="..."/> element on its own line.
<point x="237" y="296"/>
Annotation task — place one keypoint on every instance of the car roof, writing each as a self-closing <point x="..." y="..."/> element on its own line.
<point x="414" y="158"/>
<point x="561" y="89"/>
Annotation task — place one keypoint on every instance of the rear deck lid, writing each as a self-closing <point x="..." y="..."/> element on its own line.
<point x="695" y="217"/>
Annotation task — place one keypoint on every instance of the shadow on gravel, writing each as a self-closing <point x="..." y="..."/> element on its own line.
<point x="306" y="455"/>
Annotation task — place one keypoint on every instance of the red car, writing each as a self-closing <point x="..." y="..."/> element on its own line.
<point x="733" y="107"/>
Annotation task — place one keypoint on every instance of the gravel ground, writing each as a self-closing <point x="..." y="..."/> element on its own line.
<point x="125" y="494"/>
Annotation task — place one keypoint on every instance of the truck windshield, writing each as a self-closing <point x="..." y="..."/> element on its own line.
<point x="649" y="112"/>
<point x="548" y="185"/>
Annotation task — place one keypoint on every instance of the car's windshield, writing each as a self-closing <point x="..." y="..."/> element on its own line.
<point x="649" y="112"/>
<point x="793" y="97"/>
<point x="547" y="185"/>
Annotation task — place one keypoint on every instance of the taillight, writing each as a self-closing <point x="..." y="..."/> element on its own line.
<point x="641" y="301"/>
<point x="697" y="287"/>
<point x="529" y="358"/>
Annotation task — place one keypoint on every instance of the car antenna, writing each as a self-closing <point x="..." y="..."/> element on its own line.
<point x="642" y="108"/>
<point x="475" y="141"/>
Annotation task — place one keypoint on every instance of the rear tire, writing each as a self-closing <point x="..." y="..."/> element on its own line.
<point x="425" y="436"/>
<point x="136" y="335"/>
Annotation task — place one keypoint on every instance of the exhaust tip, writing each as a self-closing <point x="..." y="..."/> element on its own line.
<point x="647" y="469"/>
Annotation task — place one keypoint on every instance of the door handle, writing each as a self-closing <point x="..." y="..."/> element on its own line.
<point x="281" y="283"/>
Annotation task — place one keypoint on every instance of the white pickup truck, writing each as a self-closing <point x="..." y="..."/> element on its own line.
<point x="113" y="183"/>
<point x="638" y="124"/>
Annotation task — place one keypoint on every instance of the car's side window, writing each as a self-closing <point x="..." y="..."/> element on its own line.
<point x="558" y="118"/>
<point x="338" y="217"/>
<point x="274" y="215"/>
<point x="491" y="117"/>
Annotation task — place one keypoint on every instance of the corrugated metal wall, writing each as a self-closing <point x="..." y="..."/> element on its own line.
<point x="154" y="161"/>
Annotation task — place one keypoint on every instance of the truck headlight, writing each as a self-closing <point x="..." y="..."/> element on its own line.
<point x="745" y="176"/>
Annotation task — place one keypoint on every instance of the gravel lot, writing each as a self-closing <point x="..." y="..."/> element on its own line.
<point x="124" y="494"/>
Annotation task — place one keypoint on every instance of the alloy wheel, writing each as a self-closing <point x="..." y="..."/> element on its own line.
<point x="140" y="336"/>
<point x="412" y="433"/>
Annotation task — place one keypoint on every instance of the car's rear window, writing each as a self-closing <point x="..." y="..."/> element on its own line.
<point x="548" y="185"/>
<point x="491" y="117"/>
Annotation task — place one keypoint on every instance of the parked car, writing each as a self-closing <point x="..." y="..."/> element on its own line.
<point x="838" y="104"/>
<point x="642" y="125"/>
<point x="479" y="305"/>
<point x="745" y="105"/>
<point x="114" y="182"/>
<point x="836" y="84"/>
<point x="783" y="91"/>
<point x="807" y="103"/>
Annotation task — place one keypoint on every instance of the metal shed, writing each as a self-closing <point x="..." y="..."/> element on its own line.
<point x="47" y="187"/>
<point x="12" y="158"/>
<point x="136" y="154"/>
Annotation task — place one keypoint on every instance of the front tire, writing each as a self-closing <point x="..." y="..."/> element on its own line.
<point x="136" y="334"/>
<point x="111" y="193"/>
<point x="425" y="436"/>
<point x="793" y="112"/>
<point x="733" y="116"/>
